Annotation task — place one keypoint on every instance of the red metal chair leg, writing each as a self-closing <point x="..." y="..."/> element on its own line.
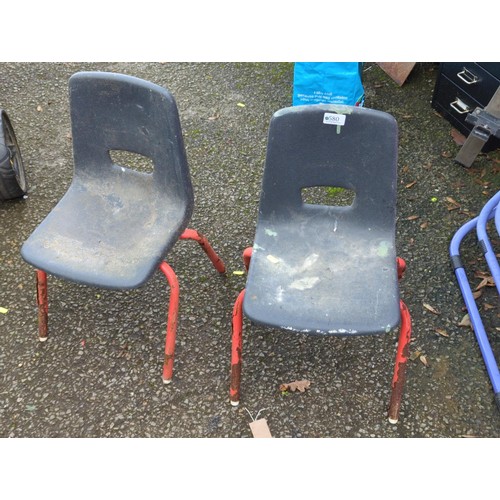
<point x="401" y="267"/>
<point x="237" y="344"/>
<point x="399" y="377"/>
<point x="43" y="304"/>
<point x="191" y="234"/>
<point x="247" y="255"/>
<point x="173" y="309"/>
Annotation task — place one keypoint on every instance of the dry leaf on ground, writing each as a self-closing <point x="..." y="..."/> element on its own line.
<point x="486" y="281"/>
<point x="298" y="385"/>
<point x="458" y="137"/>
<point x="451" y="204"/>
<point x="431" y="309"/>
<point x="449" y="199"/>
<point x="415" y="355"/>
<point x="424" y="361"/>
<point x="442" y="332"/>
<point x="465" y="321"/>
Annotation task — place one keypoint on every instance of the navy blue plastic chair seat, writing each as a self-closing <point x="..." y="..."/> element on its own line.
<point x="109" y="233"/>
<point x="327" y="269"/>
<point x="115" y="225"/>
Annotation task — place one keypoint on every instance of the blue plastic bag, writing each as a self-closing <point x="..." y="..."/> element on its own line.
<point x="328" y="83"/>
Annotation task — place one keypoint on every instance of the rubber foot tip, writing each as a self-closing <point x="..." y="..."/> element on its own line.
<point x="235" y="403"/>
<point x="393" y="420"/>
<point x="42" y="339"/>
<point x="167" y="381"/>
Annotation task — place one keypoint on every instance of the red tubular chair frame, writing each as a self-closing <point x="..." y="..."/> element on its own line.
<point x="173" y="308"/>
<point x="399" y="376"/>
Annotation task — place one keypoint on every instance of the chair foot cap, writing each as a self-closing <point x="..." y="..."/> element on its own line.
<point x="235" y="403"/>
<point x="393" y="421"/>
<point x="42" y="339"/>
<point x="167" y="381"/>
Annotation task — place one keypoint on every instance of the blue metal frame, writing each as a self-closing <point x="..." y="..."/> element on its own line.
<point x="489" y="211"/>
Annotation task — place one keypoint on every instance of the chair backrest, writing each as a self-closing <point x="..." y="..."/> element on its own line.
<point x="118" y="112"/>
<point x="332" y="145"/>
<point x="329" y="269"/>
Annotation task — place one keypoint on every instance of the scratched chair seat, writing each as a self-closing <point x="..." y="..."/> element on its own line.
<point x="124" y="217"/>
<point x="327" y="269"/>
<point x="342" y="286"/>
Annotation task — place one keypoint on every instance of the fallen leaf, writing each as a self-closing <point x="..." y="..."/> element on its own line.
<point x="424" y="225"/>
<point x="488" y="306"/>
<point x="446" y="154"/>
<point x="442" y="332"/>
<point x="465" y="321"/>
<point x="414" y="355"/>
<point x="3" y="310"/>
<point x="413" y="217"/>
<point x="424" y="361"/>
<point x="488" y="281"/>
<point x="238" y="273"/>
<point x="241" y="105"/>
<point x="410" y="185"/>
<point x="457" y="137"/>
<point x="431" y="309"/>
<point x="481" y="274"/>
<point x="449" y="199"/>
<point x="298" y="385"/>
<point x="477" y="294"/>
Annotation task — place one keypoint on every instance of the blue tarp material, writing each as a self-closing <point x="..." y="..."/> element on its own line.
<point x="328" y="83"/>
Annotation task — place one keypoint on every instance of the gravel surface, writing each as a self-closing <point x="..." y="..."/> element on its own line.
<point x="99" y="374"/>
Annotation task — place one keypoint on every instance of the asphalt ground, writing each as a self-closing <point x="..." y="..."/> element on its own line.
<point x="99" y="374"/>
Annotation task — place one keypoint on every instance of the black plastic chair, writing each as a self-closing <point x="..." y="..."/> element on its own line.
<point x="327" y="270"/>
<point x="114" y="226"/>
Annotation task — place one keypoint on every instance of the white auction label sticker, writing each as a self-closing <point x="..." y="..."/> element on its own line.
<point x="333" y="119"/>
